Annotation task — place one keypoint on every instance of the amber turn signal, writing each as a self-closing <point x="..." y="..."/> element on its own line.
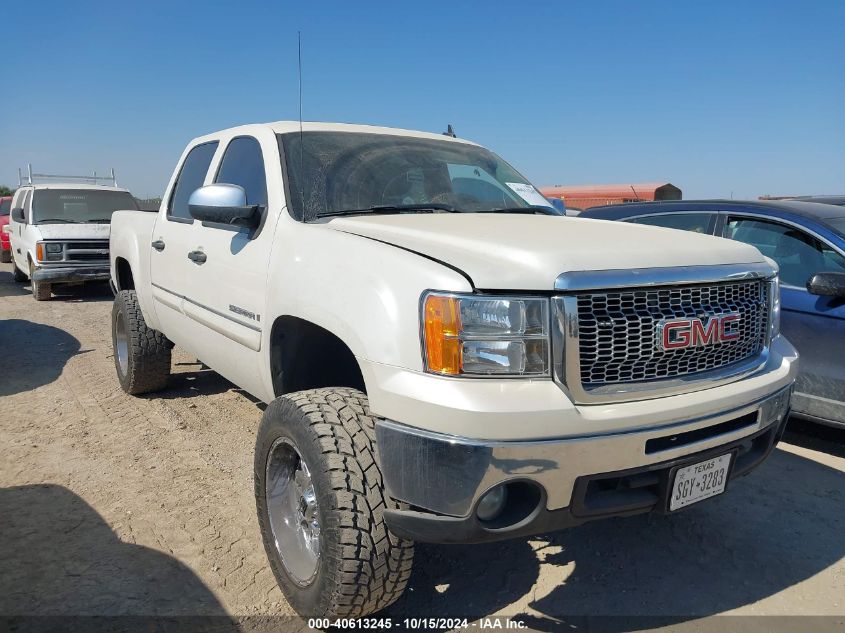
<point x="442" y="326"/>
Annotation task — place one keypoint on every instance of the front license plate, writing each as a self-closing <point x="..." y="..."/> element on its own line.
<point x="700" y="481"/>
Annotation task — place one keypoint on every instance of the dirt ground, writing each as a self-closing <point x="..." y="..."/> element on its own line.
<point x="117" y="505"/>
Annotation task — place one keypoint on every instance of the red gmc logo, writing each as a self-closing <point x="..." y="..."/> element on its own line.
<point x="694" y="332"/>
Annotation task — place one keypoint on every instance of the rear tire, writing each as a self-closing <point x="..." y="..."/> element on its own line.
<point x="5" y="256"/>
<point x="40" y="290"/>
<point x="141" y="354"/>
<point x="19" y="275"/>
<point x="327" y="442"/>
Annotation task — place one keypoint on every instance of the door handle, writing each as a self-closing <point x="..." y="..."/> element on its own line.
<point x="198" y="257"/>
<point x="158" y="245"/>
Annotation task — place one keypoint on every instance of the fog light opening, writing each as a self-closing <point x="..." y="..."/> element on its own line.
<point x="492" y="503"/>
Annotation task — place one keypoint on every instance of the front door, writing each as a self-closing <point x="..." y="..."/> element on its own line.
<point x="226" y="293"/>
<point x="814" y="325"/>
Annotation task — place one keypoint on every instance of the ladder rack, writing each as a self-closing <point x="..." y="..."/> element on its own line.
<point x="30" y="177"/>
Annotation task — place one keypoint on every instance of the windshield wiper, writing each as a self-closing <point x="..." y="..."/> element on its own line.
<point x="98" y="220"/>
<point x="45" y="220"/>
<point x="533" y="209"/>
<point x="393" y="208"/>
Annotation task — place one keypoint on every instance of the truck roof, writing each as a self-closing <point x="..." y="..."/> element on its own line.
<point x="282" y="127"/>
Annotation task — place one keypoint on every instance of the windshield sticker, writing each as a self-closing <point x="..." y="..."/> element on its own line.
<point x="528" y="193"/>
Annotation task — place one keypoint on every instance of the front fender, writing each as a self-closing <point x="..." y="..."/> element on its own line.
<point x="366" y="292"/>
<point x="130" y="230"/>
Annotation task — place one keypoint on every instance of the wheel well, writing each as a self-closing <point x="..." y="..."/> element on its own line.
<point x="306" y="356"/>
<point x="125" y="281"/>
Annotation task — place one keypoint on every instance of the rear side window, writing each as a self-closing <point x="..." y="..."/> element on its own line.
<point x="25" y="203"/>
<point x="243" y="164"/>
<point x="191" y="178"/>
<point x="5" y="206"/>
<point x="799" y="255"/>
<point x="695" y="222"/>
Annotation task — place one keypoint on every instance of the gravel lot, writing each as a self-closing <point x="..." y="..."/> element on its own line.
<point x="118" y="505"/>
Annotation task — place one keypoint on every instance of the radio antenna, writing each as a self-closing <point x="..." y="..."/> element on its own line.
<point x="299" y="52"/>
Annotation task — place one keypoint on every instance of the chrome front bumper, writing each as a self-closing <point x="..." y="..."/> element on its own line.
<point x="447" y="475"/>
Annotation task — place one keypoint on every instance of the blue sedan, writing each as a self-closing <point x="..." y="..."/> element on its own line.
<point x="807" y="240"/>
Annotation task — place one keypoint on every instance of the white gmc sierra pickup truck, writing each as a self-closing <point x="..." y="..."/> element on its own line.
<point x="445" y="358"/>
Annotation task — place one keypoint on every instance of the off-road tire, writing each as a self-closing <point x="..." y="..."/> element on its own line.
<point x="362" y="568"/>
<point x="5" y="256"/>
<point x="148" y="350"/>
<point x="40" y="290"/>
<point x="19" y="275"/>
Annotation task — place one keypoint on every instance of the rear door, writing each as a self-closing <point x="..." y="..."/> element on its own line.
<point x="172" y="239"/>
<point x="227" y="288"/>
<point x="814" y="325"/>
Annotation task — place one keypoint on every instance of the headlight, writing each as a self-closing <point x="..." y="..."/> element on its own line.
<point x="774" y="314"/>
<point x="472" y="335"/>
<point x="48" y="251"/>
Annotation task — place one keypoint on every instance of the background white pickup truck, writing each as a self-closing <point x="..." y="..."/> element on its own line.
<point x="446" y="359"/>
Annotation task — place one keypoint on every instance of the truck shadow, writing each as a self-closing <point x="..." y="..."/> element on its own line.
<point x="192" y="383"/>
<point x="817" y="437"/>
<point x="88" y="293"/>
<point x="39" y="352"/>
<point x="774" y="529"/>
<point x="61" y="558"/>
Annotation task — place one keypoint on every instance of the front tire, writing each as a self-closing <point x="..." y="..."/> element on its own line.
<point x="141" y="354"/>
<point x="321" y="502"/>
<point x="19" y="275"/>
<point x="40" y="290"/>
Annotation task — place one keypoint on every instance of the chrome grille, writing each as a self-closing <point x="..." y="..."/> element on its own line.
<point x="617" y="330"/>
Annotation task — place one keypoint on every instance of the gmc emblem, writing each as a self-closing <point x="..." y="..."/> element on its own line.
<point x="694" y="332"/>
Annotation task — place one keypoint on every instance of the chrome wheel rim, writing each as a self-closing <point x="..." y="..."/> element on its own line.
<point x="292" y="509"/>
<point x="121" y="344"/>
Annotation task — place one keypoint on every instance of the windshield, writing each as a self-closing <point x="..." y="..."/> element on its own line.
<point x="330" y="173"/>
<point x="837" y="223"/>
<point x="5" y="206"/>
<point x="78" y="205"/>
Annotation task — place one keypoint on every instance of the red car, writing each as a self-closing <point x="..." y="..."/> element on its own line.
<point x="5" y="246"/>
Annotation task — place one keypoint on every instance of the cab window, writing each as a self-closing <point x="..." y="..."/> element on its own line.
<point x="191" y="177"/>
<point x="798" y="254"/>
<point x="243" y="165"/>
<point x="695" y="222"/>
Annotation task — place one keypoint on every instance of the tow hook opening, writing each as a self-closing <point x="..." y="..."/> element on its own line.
<point x="508" y="505"/>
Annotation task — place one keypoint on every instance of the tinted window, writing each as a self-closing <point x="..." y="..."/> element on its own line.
<point x="25" y="203"/>
<point x="243" y="165"/>
<point x="695" y="222"/>
<point x="5" y="206"/>
<point x="837" y="223"/>
<point x="190" y="179"/>
<point x="798" y="254"/>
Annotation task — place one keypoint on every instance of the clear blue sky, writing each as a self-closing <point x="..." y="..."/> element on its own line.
<point x="717" y="97"/>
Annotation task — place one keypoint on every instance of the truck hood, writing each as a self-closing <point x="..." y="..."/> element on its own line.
<point x="528" y="252"/>
<point x="74" y="231"/>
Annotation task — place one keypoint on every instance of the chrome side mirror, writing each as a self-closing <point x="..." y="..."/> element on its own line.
<point x="223" y="203"/>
